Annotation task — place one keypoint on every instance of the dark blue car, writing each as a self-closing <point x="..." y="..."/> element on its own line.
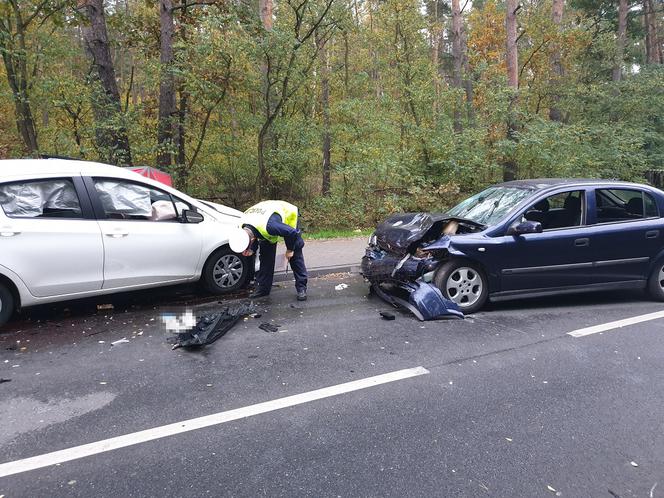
<point x="527" y="238"/>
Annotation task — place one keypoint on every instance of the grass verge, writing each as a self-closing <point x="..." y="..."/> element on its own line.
<point x="336" y="234"/>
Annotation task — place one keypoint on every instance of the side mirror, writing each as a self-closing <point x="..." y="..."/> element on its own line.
<point x="190" y="216"/>
<point x="522" y="227"/>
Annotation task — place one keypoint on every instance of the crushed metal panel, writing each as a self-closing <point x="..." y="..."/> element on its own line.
<point x="423" y="300"/>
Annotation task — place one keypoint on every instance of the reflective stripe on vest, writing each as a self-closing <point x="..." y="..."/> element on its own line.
<point x="258" y="215"/>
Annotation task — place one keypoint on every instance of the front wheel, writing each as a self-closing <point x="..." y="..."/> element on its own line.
<point x="656" y="282"/>
<point x="225" y="271"/>
<point x="464" y="283"/>
<point x="6" y="304"/>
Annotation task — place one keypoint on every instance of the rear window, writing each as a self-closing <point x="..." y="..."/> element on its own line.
<point x="624" y="205"/>
<point x="52" y="198"/>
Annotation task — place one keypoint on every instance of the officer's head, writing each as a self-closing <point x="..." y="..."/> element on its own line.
<point x="243" y="241"/>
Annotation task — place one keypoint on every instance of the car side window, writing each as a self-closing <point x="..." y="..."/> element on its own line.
<point x="624" y="205"/>
<point x="562" y="210"/>
<point x="51" y="198"/>
<point x="126" y="200"/>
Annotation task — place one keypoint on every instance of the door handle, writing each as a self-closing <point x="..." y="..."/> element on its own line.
<point x="652" y="234"/>
<point x="8" y="232"/>
<point x="585" y="242"/>
<point x="117" y="235"/>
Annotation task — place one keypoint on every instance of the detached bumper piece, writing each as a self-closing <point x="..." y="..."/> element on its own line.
<point x="212" y="326"/>
<point x="398" y="281"/>
<point x="423" y="300"/>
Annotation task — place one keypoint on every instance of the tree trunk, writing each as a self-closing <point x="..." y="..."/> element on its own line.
<point x="325" y="109"/>
<point x="468" y="83"/>
<point x="620" y="39"/>
<point x="181" y="138"/>
<point x="556" y="65"/>
<point x="167" y="107"/>
<point x="512" y="56"/>
<point x="653" y="45"/>
<point x="265" y="134"/>
<point x="110" y="131"/>
<point x="16" y="68"/>
<point x="457" y="57"/>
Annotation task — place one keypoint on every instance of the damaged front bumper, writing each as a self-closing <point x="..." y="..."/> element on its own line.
<point x="404" y="281"/>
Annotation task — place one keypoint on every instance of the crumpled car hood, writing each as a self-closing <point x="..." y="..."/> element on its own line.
<point x="398" y="232"/>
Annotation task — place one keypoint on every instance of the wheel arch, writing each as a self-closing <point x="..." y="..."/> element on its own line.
<point x="9" y="283"/>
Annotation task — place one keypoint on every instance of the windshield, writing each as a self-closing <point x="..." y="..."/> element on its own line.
<point x="490" y="205"/>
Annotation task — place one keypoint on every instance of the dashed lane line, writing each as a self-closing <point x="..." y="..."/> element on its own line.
<point x="616" y="325"/>
<point x="134" y="438"/>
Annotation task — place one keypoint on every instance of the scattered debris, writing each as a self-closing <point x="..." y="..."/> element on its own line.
<point x="103" y="383"/>
<point x="269" y="327"/>
<point x="212" y="326"/>
<point x="423" y="300"/>
<point x="2" y="381"/>
<point x="255" y="315"/>
<point x="652" y="490"/>
<point x="508" y="439"/>
<point x="551" y="488"/>
<point x="105" y="307"/>
<point x="72" y="482"/>
<point x="119" y="341"/>
<point x="340" y="287"/>
<point x="387" y="315"/>
<point x="634" y="464"/>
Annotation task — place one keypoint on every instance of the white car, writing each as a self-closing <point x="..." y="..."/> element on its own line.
<point x="71" y="229"/>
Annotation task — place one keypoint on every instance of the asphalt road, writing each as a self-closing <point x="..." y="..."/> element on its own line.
<point x="511" y="405"/>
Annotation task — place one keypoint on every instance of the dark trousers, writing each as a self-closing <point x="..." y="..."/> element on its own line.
<point x="265" y="275"/>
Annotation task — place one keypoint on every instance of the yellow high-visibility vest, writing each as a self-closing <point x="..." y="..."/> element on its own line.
<point x="258" y="215"/>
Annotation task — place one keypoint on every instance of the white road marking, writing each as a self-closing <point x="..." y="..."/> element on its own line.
<point x="66" y="455"/>
<point x="616" y="325"/>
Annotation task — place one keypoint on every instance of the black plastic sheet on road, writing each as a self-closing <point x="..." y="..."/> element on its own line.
<point x="212" y="326"/>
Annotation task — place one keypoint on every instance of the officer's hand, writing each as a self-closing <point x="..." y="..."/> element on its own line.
<point x="247" y="253"/>
<point x="289" y="255"/>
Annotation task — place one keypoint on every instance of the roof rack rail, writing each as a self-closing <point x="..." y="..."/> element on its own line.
<point x="50" y="156"/>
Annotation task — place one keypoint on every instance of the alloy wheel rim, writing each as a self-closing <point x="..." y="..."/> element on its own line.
<point x="660" y="277"/>
<point x="227" y="271"/>
<point x="464" y="286"/>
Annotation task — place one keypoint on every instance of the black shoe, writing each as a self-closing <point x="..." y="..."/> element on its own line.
<point x="258" y="293"/>
<point x="302" y="295"/>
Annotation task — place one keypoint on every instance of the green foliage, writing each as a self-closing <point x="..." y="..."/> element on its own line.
<point x="391" y="104"/>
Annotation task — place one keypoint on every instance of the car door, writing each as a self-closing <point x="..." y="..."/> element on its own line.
<point x="145" y="241"/>
<point x="559" y="257"/>
<point x="627" y="233"/>
<point x="49" y="237"/>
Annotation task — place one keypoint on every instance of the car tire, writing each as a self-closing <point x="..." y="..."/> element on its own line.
<point x="656" y="282"/>
<point x="6" y="304"/>
<point x="464" y="283"/>
<point x="225" y="271"/>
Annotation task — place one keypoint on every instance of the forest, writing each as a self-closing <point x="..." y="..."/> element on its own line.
<point x="351" y="109"/>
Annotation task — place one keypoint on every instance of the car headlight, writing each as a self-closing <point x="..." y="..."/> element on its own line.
<point x="372" y="239"/>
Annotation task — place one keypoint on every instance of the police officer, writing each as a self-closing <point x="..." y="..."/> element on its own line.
<point x="261" y="226"/>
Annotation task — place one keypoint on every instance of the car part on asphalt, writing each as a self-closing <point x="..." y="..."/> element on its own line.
<point x="387" y="315"/>
<point x="269" y="327"/>
<point x="212" y="326"/>
<point x="422" y="299"/>
<point x="225" y="271"/>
